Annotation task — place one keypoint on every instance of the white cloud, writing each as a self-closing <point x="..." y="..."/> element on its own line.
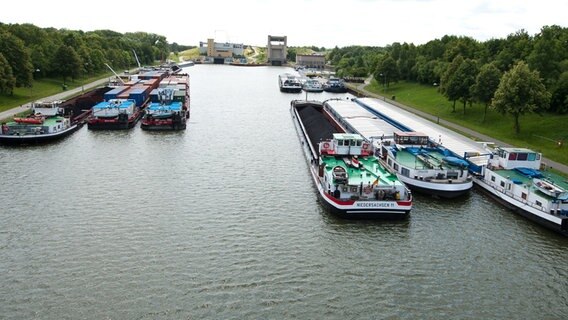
<point x="307" y="22"/>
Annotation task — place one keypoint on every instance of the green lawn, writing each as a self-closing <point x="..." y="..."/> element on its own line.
<point x="538" y="132"/>
<point x="43" y="88"/>
<point x="190" y="54"/>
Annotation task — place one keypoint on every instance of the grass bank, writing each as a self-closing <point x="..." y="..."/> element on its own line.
<point x="43" y="88"/>
<point x="538" y="132"/>
<point x="190" y="54"/>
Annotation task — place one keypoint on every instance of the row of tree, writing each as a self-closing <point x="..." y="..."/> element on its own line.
<point x="28" y="52"/>
<point x="469" y="71"/>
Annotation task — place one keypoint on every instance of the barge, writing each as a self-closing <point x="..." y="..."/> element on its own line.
<point x="418" y="161"/>
<point x="169" y="105"/>
<point x="46" y="123"/>
<point x="350" y="180"/>
<point x="513" y="177"/>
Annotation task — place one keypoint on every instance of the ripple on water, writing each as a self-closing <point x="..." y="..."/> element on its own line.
<point x="222" y="221"/>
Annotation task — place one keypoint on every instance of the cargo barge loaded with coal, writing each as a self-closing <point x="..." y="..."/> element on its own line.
<point x="350" y="180"/>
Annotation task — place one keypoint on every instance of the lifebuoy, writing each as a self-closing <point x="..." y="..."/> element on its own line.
<point x="326" y="145"/>
<point x="367" y="189"/>
<point x="365" y="145"/>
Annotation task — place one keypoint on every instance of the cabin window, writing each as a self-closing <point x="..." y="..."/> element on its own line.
<point x="405" y="172"/>
<point x="522" y="156"/>
<point x="353" y="143"/>
<point x="512" y="156"/>
<point x="493" y="178"/>
<point x="538" y="156"/>
<point x="538" y="203"/>
<point x="502" y="184"/>
<point x="396" y="167"/>
<point x="389" y="162"/>
<point x="359" y="143"/>
<point x="532" y="156"/>
<point x="524" y="196"/>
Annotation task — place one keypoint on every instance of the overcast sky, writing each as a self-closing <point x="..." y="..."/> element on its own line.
<point x="325" y="23"/>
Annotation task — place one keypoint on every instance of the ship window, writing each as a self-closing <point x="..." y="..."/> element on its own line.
<point x="538" y="156"/>
<point x="405" y="172"/>
<point x="493" y="178"/>
<point x="532" y="156"/>
<point x="390" y="162"/>
<point x="524" y="196"/>
<point x="522" y="156"/>
<point x="358" y="143"/>
<point x="502" y="184"/>
<point x="396" y="167"/>
<point x="538" y="203"/>
<point x="512" y="156"/>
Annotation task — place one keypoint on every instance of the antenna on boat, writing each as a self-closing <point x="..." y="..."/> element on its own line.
<point x="117" y="76"/>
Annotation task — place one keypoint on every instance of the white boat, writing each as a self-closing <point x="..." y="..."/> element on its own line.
<point x="514" y="179"/>
<point x="424" y="166"/>
<point x="289" y="83"/>
<point x="549" y="188"/>
<point x="335" y="85"/>
<point x="312" y="85"/>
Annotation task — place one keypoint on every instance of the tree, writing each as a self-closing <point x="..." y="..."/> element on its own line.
<point x="387" y="71"/>
<point x="559" y="101"/>
<point x="18" y="58"/>
<point x="520" y="91"/>
<point x="463" y="81"/>
<point x="291" y="54"/>
<point x="486" y="84"/>
<point x="549" y="50"/>
<point x="7" y="79"/>
<point x="67" y="62"/>
<point x="448" y="87"/>
<point x="516" y="47"/>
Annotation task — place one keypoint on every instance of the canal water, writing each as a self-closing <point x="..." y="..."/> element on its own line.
<point x="222" y="222"/>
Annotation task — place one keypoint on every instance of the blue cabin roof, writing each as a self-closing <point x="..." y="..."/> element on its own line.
<point x="125" y="104"/>
<point x="174" y="106"/>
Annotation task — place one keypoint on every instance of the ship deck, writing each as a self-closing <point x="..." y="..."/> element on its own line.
<point x="370" y="172"/>
<point x="516" y="176"/>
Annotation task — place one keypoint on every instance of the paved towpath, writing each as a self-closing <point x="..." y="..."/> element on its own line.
<point x="59" y="96"/>
<point x="463" y="130"/>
